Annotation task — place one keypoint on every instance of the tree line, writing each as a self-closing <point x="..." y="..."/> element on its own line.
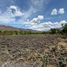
<point x="63" y="30"/>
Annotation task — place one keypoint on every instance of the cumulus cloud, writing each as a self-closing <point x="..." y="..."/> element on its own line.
<point x="34" y="21"/>
<point x="36" y="24"/>
<point x="9" y="16"/>
<point x="56" y="11"/>
<point x="45" y="26"/>
<point x="63" y="22"/>
<point x="61" y="11"/>
<point x="37" y="19"/>
<point x="13" y="7"/>
<point x="15" y="11"/>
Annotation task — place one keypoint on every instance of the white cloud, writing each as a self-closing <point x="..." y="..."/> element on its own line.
<point x="9" y="15"/>
<point x="63" y="22"/>
<point x="37" y="19"/>
<point x="32" y="22"/>
<point x="37" y="4"/>
<point x="6" y="19"/>
<point x="36" y="24"/>
<point x="54" y="12"/>
<point x="45" y="26"/>
<point x="19" y="13"/>
<point x="61" y="11"/>
<point x="13" y="7"/>
<point x="40" y="17"/>
<point x="15" y="11"/>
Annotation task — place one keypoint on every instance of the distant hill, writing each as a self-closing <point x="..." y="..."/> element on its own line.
<point x="9" y="30"/>
<point x="3" y="27"/>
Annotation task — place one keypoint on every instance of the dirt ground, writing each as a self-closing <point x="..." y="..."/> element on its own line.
<point x="42" y="50"/>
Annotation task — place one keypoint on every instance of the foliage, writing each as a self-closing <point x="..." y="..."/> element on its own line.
<point x="55" y="31"/>
<point x="24" y="32"/>
<point x="64" y="28"/>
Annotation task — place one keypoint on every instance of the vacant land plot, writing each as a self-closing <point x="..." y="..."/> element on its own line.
<point x="33" y="51"/>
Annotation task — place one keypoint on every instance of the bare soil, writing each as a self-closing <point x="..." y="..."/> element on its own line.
<point x="42" y="50"/>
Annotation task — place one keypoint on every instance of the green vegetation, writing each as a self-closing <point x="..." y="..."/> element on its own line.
<point x="64" y="29"/>
<point x="54" y="31"/>
<point x="24" y="32"/>
<point x="19" y="32"/>
<point x="59" y="31"/>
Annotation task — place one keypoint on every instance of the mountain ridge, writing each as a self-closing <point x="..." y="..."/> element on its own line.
<point x="11" y="28"/>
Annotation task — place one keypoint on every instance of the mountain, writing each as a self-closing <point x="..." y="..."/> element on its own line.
<point x="4" y="27"/>
<point x="10" y="28"/>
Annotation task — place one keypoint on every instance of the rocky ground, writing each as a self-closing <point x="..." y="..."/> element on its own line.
<point x="33" y="51"/>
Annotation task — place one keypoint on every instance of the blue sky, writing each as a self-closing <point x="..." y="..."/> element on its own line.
<point x="38" y="15"/>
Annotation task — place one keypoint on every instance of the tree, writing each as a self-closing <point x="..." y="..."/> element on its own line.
<point x="53" y="31"/>
<point x="65" y="29"/>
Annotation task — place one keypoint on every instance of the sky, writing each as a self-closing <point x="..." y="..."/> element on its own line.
<point x="40" y="15"/>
